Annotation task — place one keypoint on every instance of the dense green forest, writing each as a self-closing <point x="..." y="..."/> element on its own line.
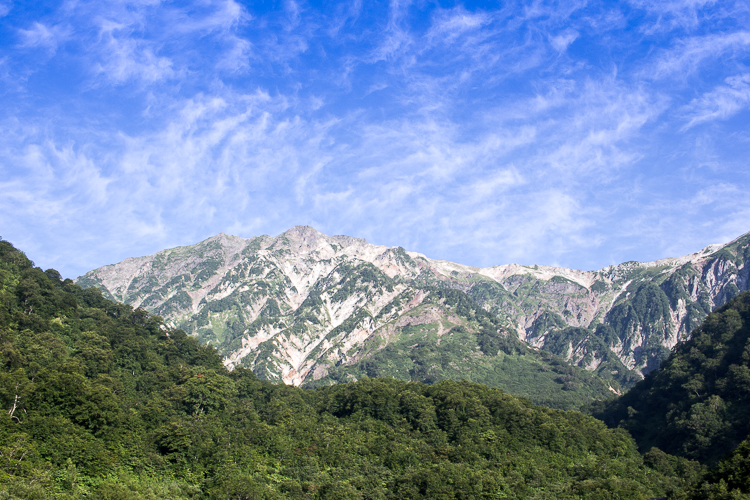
<point x="698" y="404"/>
<point x="103" y="401"/>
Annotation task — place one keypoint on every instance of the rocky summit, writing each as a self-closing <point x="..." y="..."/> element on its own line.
<point x="306" y="308"/>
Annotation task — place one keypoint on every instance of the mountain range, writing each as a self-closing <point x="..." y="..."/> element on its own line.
<point x="109" y="402"/>
<point x="309" y="309"/>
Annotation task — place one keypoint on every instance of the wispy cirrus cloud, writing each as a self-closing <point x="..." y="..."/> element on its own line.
<point x="538" y="132"/>
<point x="395" y="37"/>
<point x="124" y="58"/>
<point x="563" y="40"/>
<point x="43" y="36"/>
<point x="671" y="14"/>
<point x="690" y="54"/>
<point x="721" y="102"/>
<point x="450" y="24"/>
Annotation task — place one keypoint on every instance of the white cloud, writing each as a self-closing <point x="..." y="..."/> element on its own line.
<point x="228" y="157"/>
<point x="228" y="14"/>
<point x="584" y="130"/>
<point x="237" y="58"/>
<point x="144" y="42"/>
<point x="448" y="25"/>
<point x="12" y="82"/>
<point x="671" y="14"/>
<point x="43" y="36"/>
<point x="721" y="103"/>
<point x="495" y="184"/>
<point x="556" y="12"/>
<point x="125" y="58"/>
<point x="690" y="53"/>
<point x="395" y="38"/>
<point x="722" y="193"/>
<point x="562" y="41"/>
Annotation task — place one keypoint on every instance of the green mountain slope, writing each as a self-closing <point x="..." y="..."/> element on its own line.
<point x="465" y="342"/>
<point x="697" y="405"/>
<point x="107" y="402"/>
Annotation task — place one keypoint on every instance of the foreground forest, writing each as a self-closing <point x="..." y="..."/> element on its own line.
<point x="103" y="401"/>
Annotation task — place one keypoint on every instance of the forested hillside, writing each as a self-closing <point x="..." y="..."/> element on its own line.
<point x="104" y="401"/>
<point x="698" y="404"/>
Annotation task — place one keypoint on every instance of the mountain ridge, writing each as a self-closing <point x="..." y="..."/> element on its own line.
<point x="295" y="289"/>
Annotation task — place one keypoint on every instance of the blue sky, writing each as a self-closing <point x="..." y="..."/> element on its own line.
<point x="579" y="134"/>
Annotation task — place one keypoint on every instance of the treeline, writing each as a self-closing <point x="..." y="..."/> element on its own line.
<point x="103" y="401"/>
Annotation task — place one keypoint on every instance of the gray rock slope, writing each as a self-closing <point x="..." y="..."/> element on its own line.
<point x="303" y="305"/>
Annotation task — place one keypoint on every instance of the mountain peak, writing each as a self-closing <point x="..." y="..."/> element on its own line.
<point x="296" y="306"/>
<point x="303" y="231"/>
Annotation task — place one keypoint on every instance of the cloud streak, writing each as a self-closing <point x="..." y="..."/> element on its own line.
<point x="721" y="103"/>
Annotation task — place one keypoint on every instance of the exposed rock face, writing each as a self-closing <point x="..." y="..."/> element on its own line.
<point x="295" y="306"/>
